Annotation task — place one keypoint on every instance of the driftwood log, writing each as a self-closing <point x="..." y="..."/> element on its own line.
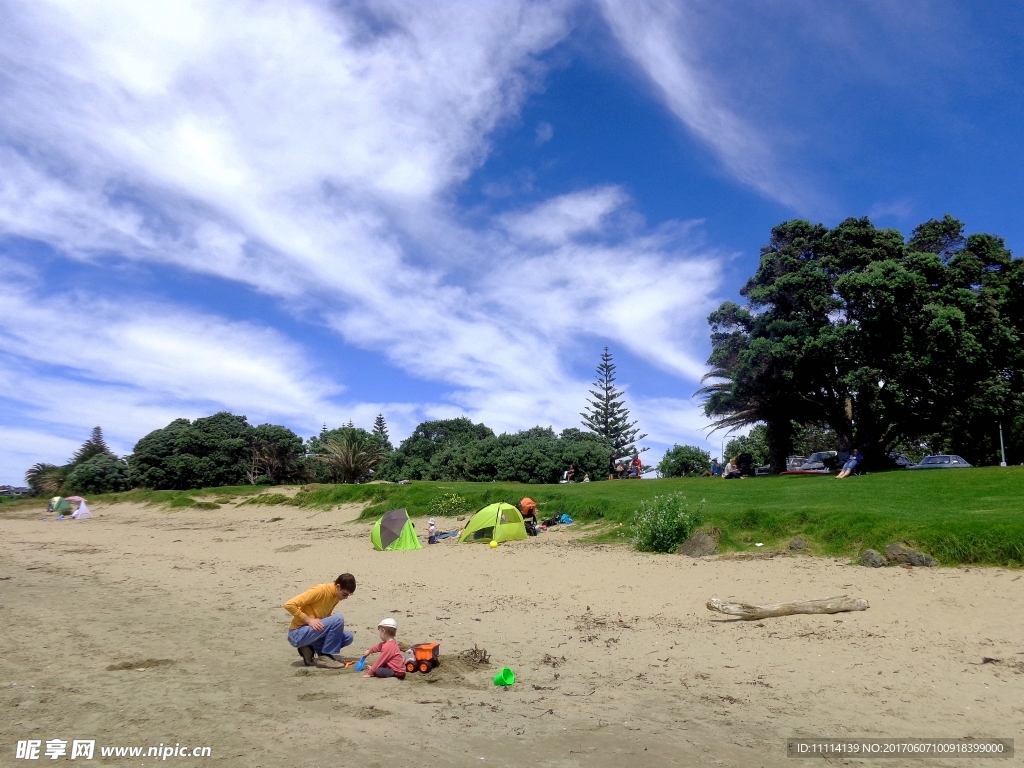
<point x="837" y="604"/>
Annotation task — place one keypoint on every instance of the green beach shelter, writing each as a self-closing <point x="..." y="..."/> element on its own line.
<point x="500" y="522"/>
<point x="60" y="505"/>
<point x="394" y="531"/>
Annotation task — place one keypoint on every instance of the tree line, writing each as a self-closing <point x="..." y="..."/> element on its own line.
<point x="225" y="449"/>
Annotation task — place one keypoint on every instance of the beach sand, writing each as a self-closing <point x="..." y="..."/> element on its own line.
<point x="146" y="626"/>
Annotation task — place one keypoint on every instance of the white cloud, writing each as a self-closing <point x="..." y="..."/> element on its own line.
<point x="899" y="209"/>
<point x="562" y="218"/>
<point x="311" y="154"/>
<point x="20" y="448"/>
<point x="161" y="349"/>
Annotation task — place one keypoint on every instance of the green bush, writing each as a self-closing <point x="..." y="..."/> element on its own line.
<point x="103" y="473"/>
<point x="449" y="505"/>
<point x="662" y="523"/>
<point x="684" y="461"/>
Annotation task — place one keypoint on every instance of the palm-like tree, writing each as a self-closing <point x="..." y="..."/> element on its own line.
<point x="353" y="455"/>
<point x="47" y="479"/>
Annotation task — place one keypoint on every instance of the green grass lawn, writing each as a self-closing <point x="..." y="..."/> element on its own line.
<point x="959" y="516"/>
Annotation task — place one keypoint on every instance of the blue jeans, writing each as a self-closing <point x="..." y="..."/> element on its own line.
<point x="331" y="639"/>
<point x="850" y="465"/>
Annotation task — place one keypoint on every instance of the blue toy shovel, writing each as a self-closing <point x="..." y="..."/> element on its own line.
<point x="360" y="664"/>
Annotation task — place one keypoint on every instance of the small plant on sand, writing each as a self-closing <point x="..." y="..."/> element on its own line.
<point x="449" y="505"/>
<point x="662" y="523"/>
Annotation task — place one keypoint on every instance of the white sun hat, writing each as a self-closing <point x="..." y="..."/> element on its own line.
<point x="388" y="622"/>
<point x="431" y="521"/>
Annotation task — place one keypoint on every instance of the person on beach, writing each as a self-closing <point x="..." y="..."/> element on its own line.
<point x="390" y="662"/>
<point x="528" y="507"/>
<point x="432" y="531"/>
<point x="316" y="633"/>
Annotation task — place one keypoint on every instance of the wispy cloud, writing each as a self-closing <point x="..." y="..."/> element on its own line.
<point x="562" y="218"/>
<point x="544" y="132"/>
<point x="899" y="209"/>
<point x="655" y="35"/>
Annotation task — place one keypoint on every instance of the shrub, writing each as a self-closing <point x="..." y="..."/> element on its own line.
<point x="661" y="524"/>
<point x="102" y="473"/>
<point x="449" y="505"/>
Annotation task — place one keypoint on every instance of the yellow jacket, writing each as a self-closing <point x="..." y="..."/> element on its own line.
<point x="317" y="602"/>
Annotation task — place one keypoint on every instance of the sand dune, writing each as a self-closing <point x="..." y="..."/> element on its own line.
<point x="146" y="625"/>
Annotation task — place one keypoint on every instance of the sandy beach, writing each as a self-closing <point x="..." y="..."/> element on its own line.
<point x="146" y="626"/>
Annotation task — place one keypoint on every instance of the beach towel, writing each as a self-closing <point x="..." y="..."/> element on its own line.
<point x="446" y="535"/>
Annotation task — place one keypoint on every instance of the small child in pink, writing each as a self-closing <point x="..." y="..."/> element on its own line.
<point x="390" y="662"/>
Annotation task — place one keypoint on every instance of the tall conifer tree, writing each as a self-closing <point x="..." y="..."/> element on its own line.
<point x="94" y="446"/>
<point x="607" y="415"/>
<point x="380" y="429"/>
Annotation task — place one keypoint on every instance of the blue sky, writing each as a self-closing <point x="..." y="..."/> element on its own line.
<point x="311" y="211"/>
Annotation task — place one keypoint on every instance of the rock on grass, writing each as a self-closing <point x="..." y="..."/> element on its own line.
<point x="872" y="558"/>
<point x="700" y="544"/>
<point x="901" y="554"/>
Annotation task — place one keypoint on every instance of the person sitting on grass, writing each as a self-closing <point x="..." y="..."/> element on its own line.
<point x="390" y="662"/>
<point x="732" y="470"/>
<point x="856" y="457"/>
<point x="314" y="632"/>
<point x="636" y="467"/>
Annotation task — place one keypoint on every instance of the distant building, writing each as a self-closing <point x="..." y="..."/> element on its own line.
<point x="11" y="490"/>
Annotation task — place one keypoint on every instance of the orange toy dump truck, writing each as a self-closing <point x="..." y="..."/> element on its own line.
<point x="422" y="657"/>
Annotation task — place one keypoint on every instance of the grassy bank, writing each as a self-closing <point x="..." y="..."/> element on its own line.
<point x="973" y="516"/>
<point x="968" y="516"/>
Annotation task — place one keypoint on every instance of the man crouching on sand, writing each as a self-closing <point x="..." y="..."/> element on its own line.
<point x="314" y="631"/>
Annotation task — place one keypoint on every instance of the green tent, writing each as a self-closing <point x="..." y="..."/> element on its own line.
<point x="500" y="522"/>
<point x="60" y="505"/>
<point x="394" y="531"/>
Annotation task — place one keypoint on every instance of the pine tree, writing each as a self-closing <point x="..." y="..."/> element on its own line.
<point x="607" y="415"/>
<point x="94" y="446"/>
<point x="380" y="429"/>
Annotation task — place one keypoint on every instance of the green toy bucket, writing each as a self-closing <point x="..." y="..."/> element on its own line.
<point x="505" y="677"/>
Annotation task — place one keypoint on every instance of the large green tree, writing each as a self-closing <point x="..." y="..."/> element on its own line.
<point x="412" y="459"/>
<point x="684" y="461"/>
<point x="275" y="455"/>
<point x="223" y="449"/>
<point x="101" y="473"/>
<point x="881" y="340"/>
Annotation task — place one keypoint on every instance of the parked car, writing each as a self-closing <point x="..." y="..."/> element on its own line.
<point x="815" y="464"/>
<point x="902" y="460"/>
<point x="941" y="461"/>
